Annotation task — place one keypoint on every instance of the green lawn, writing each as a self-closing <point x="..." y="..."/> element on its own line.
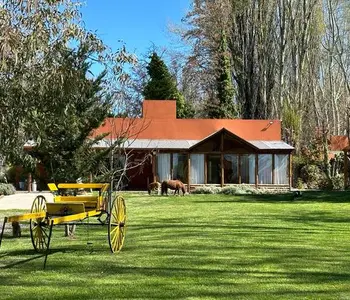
<point x="195" y="247"/>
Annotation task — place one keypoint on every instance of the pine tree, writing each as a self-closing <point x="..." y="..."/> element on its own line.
<point x="162" y="86"/>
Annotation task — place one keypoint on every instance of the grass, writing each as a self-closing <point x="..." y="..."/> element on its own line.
<point x="195" y="247"/>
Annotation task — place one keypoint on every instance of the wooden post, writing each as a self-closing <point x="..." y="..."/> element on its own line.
<point x="222" y="171"/>
<point x="290" y="170"/>
<point x="273" y="168"/>
<point x="346" y="167"/>
<point x="205" y="168"/>
<point x="256" y="170"/>
<point x="188" y="172"/>
<point x="154" y="167"/>
<point x="29" y="182"/>
<point x="239" y="169"/>
<point x="171" y="167"/>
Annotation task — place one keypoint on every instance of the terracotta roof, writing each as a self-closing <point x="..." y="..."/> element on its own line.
<point x="338" y="142"/>
<point x="159" y="122"/>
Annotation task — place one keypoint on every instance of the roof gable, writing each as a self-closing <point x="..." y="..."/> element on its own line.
<point x="216" y="138"/>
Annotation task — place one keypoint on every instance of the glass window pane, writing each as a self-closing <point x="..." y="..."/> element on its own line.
<point x="197" y="168"/>
<point x="248" y="168"/>
<point x="265" y="168"/>
<point x="214" y="169"/>
<point x="180" y="167"/>
<point x="163" y="166"/>
<point x="281" y="169"/>
<point x="231" y="168"/>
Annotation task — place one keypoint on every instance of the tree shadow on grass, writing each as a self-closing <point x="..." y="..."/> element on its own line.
<point x="312" y="196"/>
<point x="33" y="255"/>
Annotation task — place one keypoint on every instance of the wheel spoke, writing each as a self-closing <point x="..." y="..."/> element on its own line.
<point x="114" y="229"/>
<point x="114" y="238"/>
<point x="114" y="216"/>
<point x="44" y="231"/>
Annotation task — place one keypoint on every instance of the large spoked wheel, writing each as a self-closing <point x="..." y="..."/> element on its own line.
<point x="39" y="230"/>
<point x="116" y="224"/>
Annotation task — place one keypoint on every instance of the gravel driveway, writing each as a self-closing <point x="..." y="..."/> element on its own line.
<point x="22" y="200"/>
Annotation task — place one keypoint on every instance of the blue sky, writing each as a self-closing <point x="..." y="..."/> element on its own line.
<point x="138" y="23"/>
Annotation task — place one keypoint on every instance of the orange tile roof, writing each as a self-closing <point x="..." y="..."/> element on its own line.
<point x="338" y="142"/>
<point x="159" y="122"/>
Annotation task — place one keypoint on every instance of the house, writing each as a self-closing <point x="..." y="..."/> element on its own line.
<point x="337" y="144"/>
<point x="201" y="151"/>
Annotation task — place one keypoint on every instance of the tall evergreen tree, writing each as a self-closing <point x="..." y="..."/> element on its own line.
<point x="224" y="107"/>
<point x="162" y="86"/>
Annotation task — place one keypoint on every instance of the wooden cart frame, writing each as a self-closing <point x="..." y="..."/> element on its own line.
<point x="71" y="207"/>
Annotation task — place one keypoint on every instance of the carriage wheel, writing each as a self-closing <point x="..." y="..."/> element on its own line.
<point x="39" y="230"/>
<point x="116" y="224"/>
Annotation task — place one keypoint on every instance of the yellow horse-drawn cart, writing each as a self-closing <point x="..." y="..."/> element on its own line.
<point x="71" y="205"/>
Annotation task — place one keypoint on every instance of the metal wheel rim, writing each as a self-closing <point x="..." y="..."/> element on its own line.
<point x="117" y="224"/>
<point x="38" y="228"/>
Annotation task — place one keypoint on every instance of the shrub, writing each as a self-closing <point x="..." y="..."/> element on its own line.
<point x="207" y="190"/>
<point x="300" y="184"/>
<point x="311" y="175"/>
<point x="239" y="190"/>
<point x="7" y="189"/>
<point x="3" y="178"/>
<point x="338" y="182"/>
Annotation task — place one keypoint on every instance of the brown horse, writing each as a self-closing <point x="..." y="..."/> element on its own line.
<point x="173" y="185"/>
<point x="153" y="186"/>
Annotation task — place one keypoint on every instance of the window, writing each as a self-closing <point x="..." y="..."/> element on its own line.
<point x="197" y="168"/>
<point x="214" y="169"/>
<point x="163" y="166"/>
<point x="281" y="169"/>
<point x="180" y="167"/>
<point x="248" y="168"/>
<point x="231" y="168"/>
<point x="265" y="168"/>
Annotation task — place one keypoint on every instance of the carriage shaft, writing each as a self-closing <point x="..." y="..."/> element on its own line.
<point x="25" y="217"/>
<point x="75" y="217"/>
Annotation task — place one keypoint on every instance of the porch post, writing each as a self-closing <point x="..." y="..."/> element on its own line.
<point x="290" y="170"/>
<point x="205" y="168"/>
<point x="239" y="169"/>
<point x="222" y="159"/>
<point x="346" y="166"/>
<point x="188" y="172"/>
<point x="256" y="170"/>
<point x="222" y="170"/>
<point x="154" y="167"/>
<point x="273" y="168"/>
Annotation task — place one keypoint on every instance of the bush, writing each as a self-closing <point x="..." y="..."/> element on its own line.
<point x="300" y="184"/>
<point x="207" y="190"/>
<point x="232" y="190"/>
<point x="311" y="175"/>
<point x="7" y="189"/>
<point x="239" y="190"/>
<point x="338" y="182"/>
<point x="3" y="178"/>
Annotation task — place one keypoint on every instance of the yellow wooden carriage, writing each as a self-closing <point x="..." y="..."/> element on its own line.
<point x="71" y="205"/>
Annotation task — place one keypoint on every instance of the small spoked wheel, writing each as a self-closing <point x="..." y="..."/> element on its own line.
<point x="116" y="224"/>
<point x="39" y="230"/>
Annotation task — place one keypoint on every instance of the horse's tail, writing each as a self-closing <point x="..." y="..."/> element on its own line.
<point x="164" y="187"/>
